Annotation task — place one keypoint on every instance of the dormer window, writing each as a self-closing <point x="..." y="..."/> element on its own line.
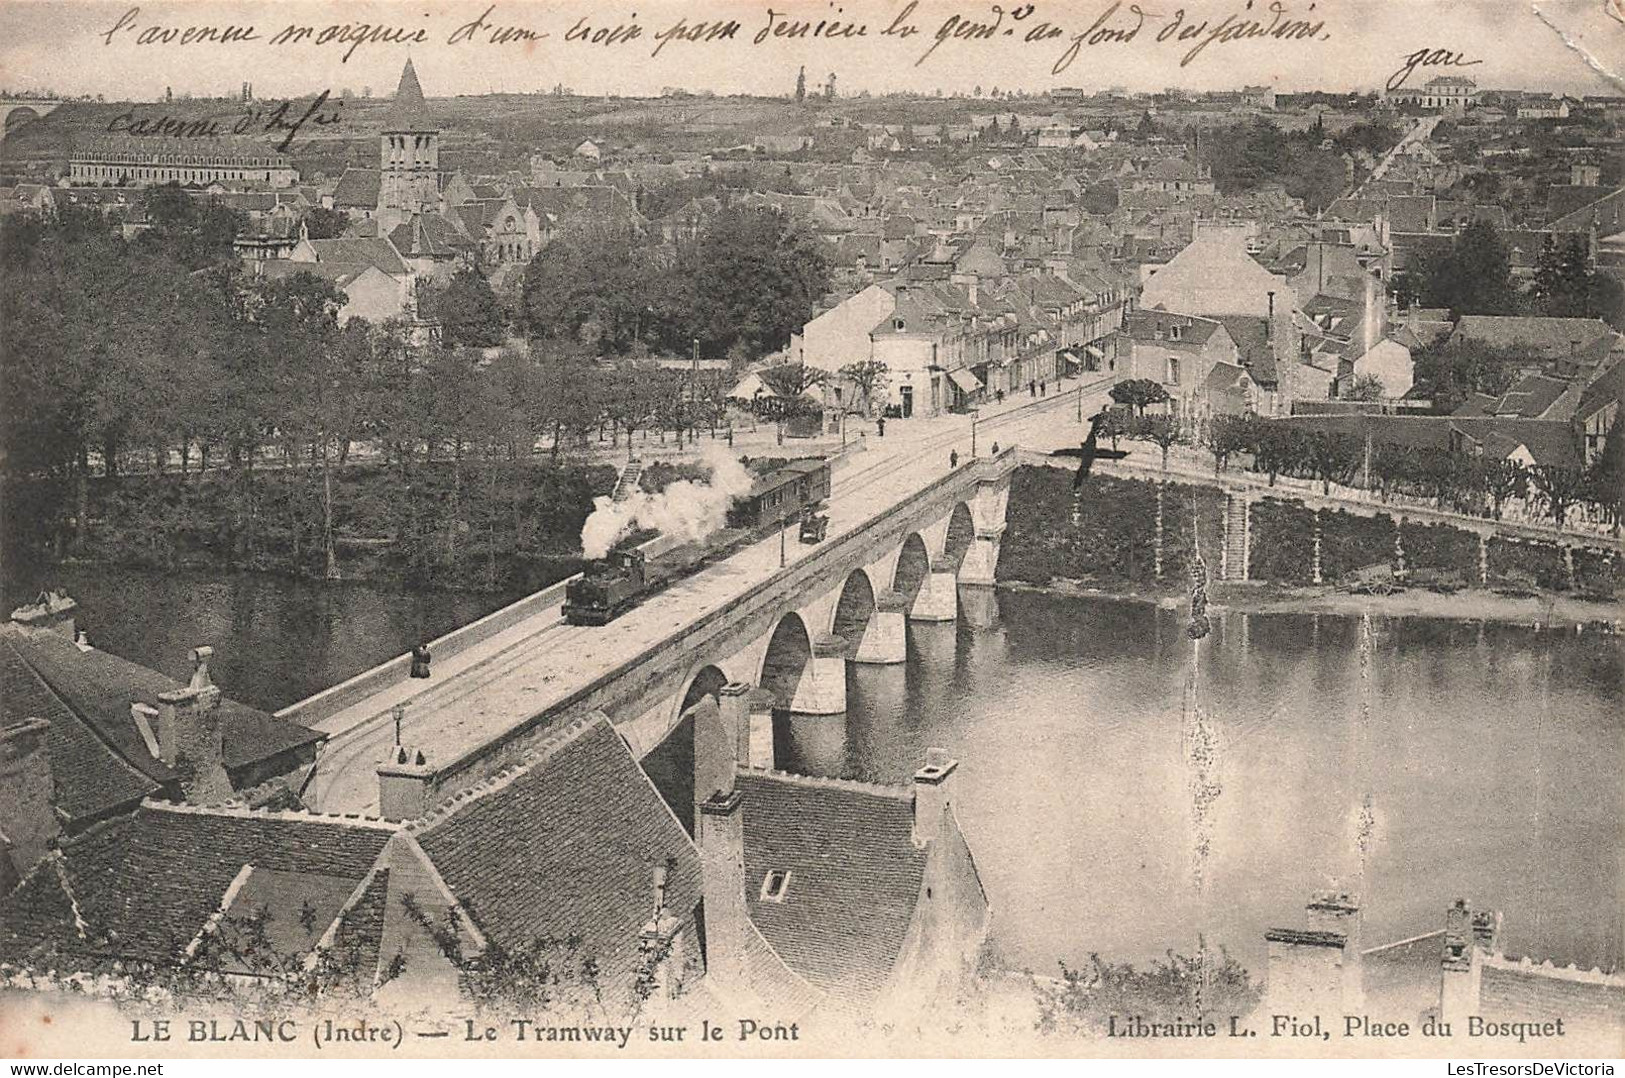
<point x="898" y="325"/>
<point x="1175" y="332"/>
<point x="775" y="884"/>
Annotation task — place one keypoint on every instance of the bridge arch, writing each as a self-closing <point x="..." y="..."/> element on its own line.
<point x="705" y="682"/>
<point x="20" y="116"/>
<point x="913" y="565"/>
<point x="853" y="610"/>
<point x="784" y="665"/>
<point x="961" y="533"/>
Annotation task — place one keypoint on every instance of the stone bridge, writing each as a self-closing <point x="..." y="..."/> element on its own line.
<point x="15" y="114"/>
<point x="783" y="644"/>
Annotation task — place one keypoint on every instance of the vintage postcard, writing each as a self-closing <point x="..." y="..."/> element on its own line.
<point x="700" y="528"/>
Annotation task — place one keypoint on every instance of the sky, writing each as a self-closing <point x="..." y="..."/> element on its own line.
<point x="72" y="46"/>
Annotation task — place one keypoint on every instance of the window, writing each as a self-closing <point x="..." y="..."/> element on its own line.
<point x="775" y="884"/>
<point x="1176" y="332"/>
<point x="1173" y="371"/>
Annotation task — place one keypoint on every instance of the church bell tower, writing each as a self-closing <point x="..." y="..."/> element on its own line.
<point x="409" y="155"/>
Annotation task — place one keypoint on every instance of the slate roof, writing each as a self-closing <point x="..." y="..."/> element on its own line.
<point x="855" y="876"/>
<point x="1545" y="338"/>
<point x="408" y="111"/>
<point x="374" y="251"/>
<point x="358" y="189"/>
<point x="1251" y="335"/>
<point x="92" y="780"/>
<point x="100" y="687"/>
<point x="1531" y="396"/>
<point x="1144" y="324"/>
<point x="1603" y="390"/>
<point x="143" y="886"/>
<point x="567" y="847"/>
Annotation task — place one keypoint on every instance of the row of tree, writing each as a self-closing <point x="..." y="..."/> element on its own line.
<point x="1454" y="481"/>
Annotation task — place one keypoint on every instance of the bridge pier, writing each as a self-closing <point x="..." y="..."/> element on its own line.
<point x="938" y="599"/>
<point x="818" y="744"/>
<point x="822" y="688"/>
<point x="982" y="559"/>
<point x="885" y="639"/>
<point x="980" y="605"/>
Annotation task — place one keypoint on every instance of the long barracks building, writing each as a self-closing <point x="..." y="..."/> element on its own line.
<point x="147" y="161"/>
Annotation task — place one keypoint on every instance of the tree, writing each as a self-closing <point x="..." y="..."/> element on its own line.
<point x="597" y="273"/>
<point x="195" y="232"/>
<point x="322" y="223"/>
<point x="1138" y="394"/>
<point x="801" y="84"/>
<point x="1501" y="480"/>
<point x="1334" y="457"/>
<point x="790" y="380"/>
<point x="752" y="276"/>
<point x="317" y="371"/>
<point x="1159" y="430"/>
<point x="1561" y="488"/>
<point x="1451" y="369"/>
<point x="469" y="313"/>
<point x="866" y="376"/>
<point x="1366" y="387"/>
<point x="1474" y="276"/>
<point x="1226" y="436"/>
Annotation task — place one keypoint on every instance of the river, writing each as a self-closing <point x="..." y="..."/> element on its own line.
<point x="1494" y="755"/>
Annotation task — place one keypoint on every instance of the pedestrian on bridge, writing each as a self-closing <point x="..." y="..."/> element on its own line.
<point x="1043" y="389"/>
<point x="953" y="458"/>
<point x="880" y="426"/>
<point x="420" y="660"/>
<point x="995" y="449"/>
<point x="1032" y="388"/>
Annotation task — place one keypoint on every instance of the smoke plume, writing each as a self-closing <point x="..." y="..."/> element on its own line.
<point x="685" y="509"/>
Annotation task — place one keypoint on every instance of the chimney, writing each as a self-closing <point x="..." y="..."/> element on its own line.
<point x="933" y="794"/>
<point x="404" y="786"/>
<point x="1487" y="931"/>
<point x="1339" y="912"/>
<point x="27" y="797"/>
<point x="1459" y="970"/>
<point x="190" y="729"/>
<point x="727" y="917"/>
<point x="53" y="611"/>
<point x="661" y="951"/>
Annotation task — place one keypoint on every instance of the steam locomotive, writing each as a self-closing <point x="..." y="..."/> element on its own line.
<point x="610" y="586"/>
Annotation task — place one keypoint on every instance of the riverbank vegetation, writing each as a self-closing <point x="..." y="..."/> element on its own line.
<point x="166" y="407"/>
<point x="1117" y="533"/>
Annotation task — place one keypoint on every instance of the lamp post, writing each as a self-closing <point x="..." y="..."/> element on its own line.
<point x="975" y="417"/>
<point x="399" y="712"/>
<point x="784" y="526"/>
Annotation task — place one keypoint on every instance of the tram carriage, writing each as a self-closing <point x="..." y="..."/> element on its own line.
<point x="610" y="586"/>
<point x="780" y="496"/>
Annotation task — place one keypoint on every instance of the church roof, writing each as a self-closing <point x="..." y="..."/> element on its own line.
<point x="409" y="112"/>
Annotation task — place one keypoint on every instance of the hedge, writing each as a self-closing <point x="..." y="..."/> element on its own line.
<point x="1598" y="570"/>
<point x="1350" y="542"/>
<point x="1283" y="548"/>
<point x="1441" y="546"/>
<point x="1543" y="561"/>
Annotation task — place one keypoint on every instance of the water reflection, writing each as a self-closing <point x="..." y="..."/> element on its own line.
<point x="276" y="639"/>
<point x="1491" y="756"/>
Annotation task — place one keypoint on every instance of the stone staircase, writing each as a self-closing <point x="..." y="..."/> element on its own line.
<point x="1233" y="561"/>
<point x="627" y="484"/>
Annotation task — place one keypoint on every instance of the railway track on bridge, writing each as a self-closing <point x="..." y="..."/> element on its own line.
<point x="366" y="743"/>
